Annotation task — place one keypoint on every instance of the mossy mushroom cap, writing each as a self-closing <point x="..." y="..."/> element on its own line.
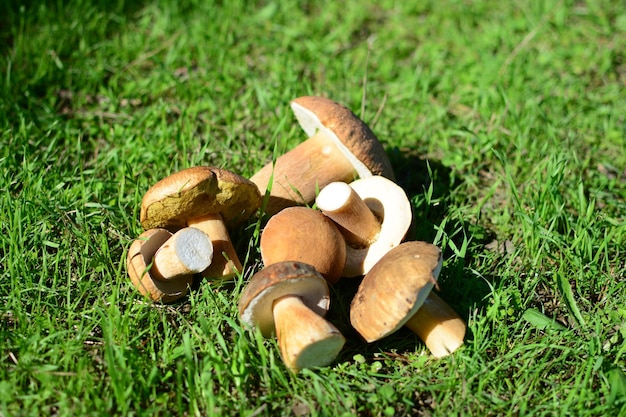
<point x="198" y="191"/>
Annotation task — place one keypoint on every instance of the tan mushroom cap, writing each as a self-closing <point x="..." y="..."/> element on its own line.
<point x="198" y="191"/>
<point x="303" y="234"/>
<point x="357" y="141"/>
<point x="278" y="280"/>
<point x="394" y="289"/>
<point x="140" y="255"/>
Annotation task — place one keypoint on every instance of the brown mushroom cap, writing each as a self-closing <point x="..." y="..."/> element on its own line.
<point x="305" y="235"/>
<point x="140" y="255"/>
<point x="350" y="133"/>
<point x="195" y="192"/>
<point x="278" y="280"/>
<point x="393" y="290"/>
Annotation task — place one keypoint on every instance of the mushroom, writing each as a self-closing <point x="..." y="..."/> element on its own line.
<point x="305" y="235"/>
<point x="207" y="198"/>
<point x="290" y="299"/>
<point x="340" y="147"/>
<point x="374" y="215"/>
<point x="161" y="265"/>
<point x="397" y="292"/>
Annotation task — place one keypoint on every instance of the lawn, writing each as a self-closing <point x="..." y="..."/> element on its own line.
<point x="505" y="123"/>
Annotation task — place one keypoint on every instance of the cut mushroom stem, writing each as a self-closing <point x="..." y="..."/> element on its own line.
<point x="298" y="173"/>
<point x="225" y="259"/>
<point x="189" y="251"/>
<point x="313" y="345"/>
<point x="346" y="208"/>
<point x="141" y="256"/>
<point x="438" y="326"/>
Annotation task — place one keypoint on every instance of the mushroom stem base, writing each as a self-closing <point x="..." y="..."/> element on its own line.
<point x="438" y="325"/>
<point x="140" y="256"/>
<point x="305" y="339"/>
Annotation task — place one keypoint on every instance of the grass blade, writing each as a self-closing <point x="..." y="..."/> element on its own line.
<point x="568" y="294"/>
<point x="617" y="383"/>
<point x="541" y="321"/>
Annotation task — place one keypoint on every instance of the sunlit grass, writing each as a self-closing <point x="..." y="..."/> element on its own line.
<point x="504" y="123"/>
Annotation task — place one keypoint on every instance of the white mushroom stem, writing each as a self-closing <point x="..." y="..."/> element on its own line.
<point x="438" y="326"/>
<point x="225" y="260"/>
<point x="298" y="174"/>
<point x="346" y="208"/>
<point x="389" y="204"/>
<point x="305" y="339"/>
<point x="189" y="251"/>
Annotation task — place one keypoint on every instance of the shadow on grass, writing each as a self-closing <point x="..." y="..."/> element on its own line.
<point x="416" y="175"/>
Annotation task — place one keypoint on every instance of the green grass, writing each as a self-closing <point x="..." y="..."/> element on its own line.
<point x="505" y="123"/>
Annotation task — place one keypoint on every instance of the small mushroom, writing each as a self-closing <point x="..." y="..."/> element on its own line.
<point x="341" y="147"/>
<point x="207" y="198"/>
<point x="374" y="215"/>
<point x="290" y="299"/>
<point x="397" y="292"/>
<point x="303" y="234"/>
<point x="161" y="265"/>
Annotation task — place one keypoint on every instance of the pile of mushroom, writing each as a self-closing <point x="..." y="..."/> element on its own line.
<point x="357" y="228"/>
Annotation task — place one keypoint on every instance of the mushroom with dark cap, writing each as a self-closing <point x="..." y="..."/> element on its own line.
<point x="290" y="300"/>
<point x="207" y="198"/>
<point x="340" y="147"/>
<point x="397" y="292"/>
<point x="373" y="214"/>
<point x="161" y="265"/>
<point x="305" y="235"/>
